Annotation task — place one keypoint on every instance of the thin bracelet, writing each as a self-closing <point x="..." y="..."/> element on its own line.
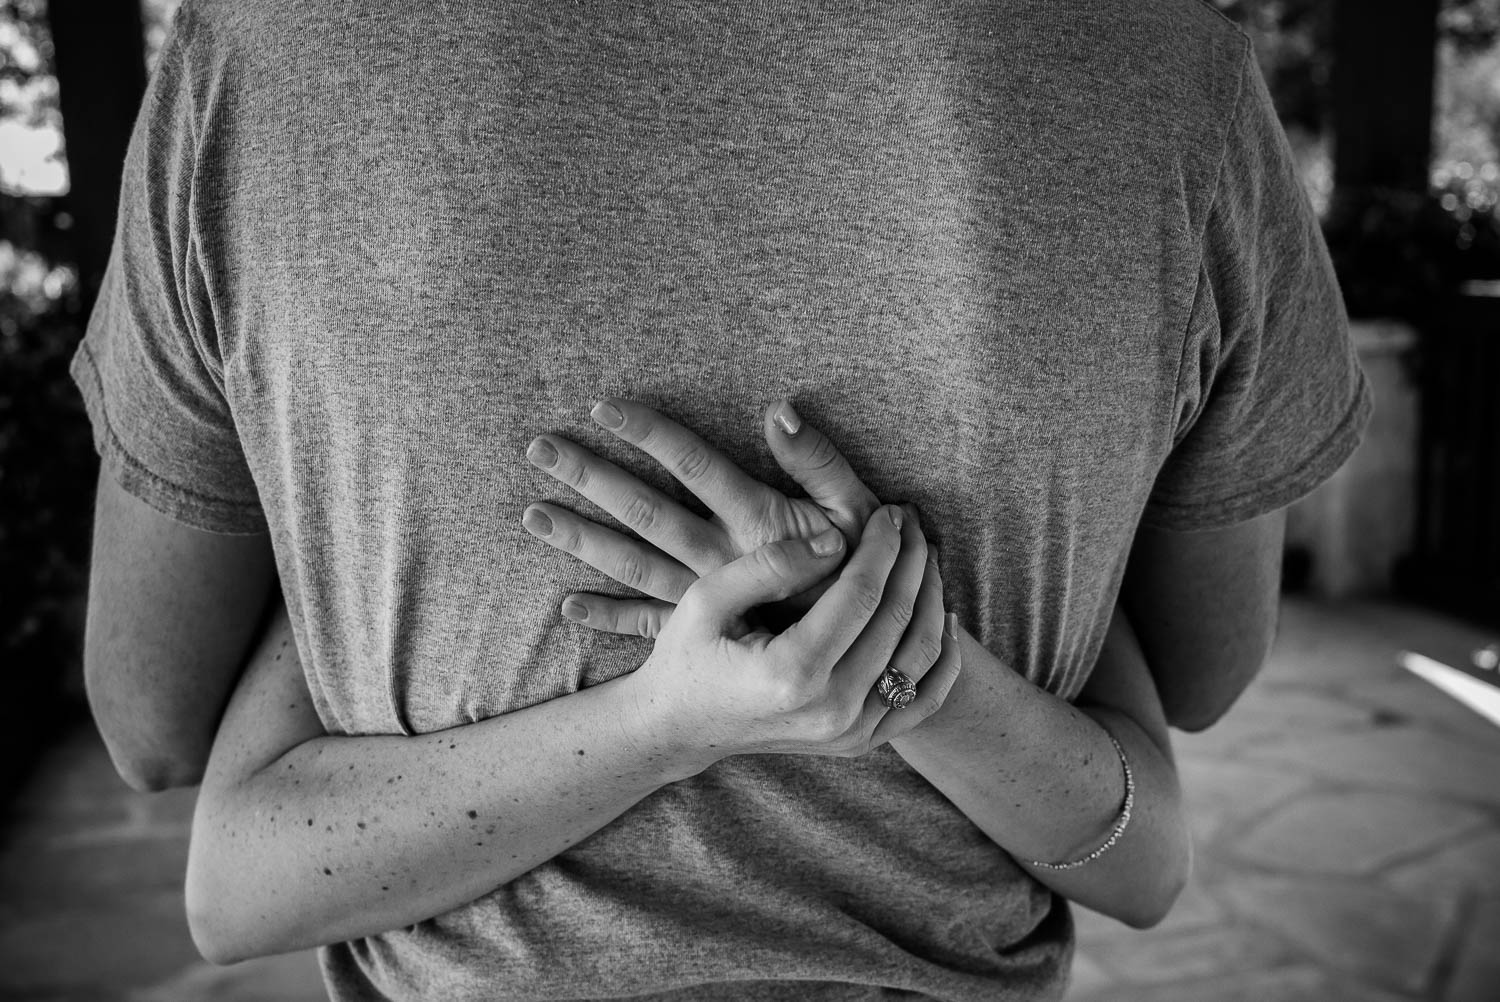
<point x="1120" y="823"/>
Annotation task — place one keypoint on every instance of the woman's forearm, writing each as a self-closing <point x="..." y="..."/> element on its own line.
<point x="342" y="837"/>
<point x="302" y="839"/>
<point x="1041" y="778"/>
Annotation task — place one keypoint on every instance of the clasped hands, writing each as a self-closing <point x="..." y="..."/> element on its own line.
<point x="719" y="679"/>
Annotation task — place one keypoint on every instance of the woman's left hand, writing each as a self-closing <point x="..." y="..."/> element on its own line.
<point x="679" y="546"/>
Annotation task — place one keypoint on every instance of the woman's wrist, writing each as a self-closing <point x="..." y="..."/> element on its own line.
<point x="981" y="697"/>
<point x="668" y="734"/>
<point x="999" y="734"/>
<point x="1003" y="742"/>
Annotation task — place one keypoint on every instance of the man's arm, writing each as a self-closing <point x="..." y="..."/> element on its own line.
<point x="172" y="614"/>
<point x="1203" y="606"/>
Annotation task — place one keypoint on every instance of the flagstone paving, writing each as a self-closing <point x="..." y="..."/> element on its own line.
<point x="1346" y="819"/>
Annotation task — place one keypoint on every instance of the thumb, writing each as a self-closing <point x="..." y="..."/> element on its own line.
<point x="813" y="461"/>
<point x="769" y="574"/>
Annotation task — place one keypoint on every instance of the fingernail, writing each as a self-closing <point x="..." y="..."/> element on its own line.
<point x="608" y="415"/>
<point x="932" y="554"/>
<point x="898" y="517"/>
<point x="827" y="542"/>
<point x="951" y="626"/>
<point x="537" y="521"/>
<point x="542" y="454"/>
<point x="574" y="609"/>
<point x="787" y="418"/>
<point x="911" y="510"/>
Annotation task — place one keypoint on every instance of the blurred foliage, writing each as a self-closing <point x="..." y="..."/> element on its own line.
<point x="1397" y="253"/>
<point x="47" y="471"/>
<point x="157" y="15"/>
<point x="1401" y="253"/>
<point x="30" y="123"/>
<point x="47" y="463"/>
<point x="1292" y="45"/>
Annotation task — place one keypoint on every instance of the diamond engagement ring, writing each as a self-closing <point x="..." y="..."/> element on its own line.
<point x="896" y="688"/>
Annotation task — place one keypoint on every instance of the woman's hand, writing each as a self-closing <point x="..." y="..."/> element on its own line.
<point x="679" y="547"/>
<point x="716" y="683"/>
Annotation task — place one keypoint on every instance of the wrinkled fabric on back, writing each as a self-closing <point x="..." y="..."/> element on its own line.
<point x="1042" y="268"/>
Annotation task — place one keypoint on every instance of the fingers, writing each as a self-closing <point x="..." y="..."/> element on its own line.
<point x="922" y="643"/>
<point x="629" y="561"/>
<point x="636" y="617"/>
<point x="933" y="691"/>
<point x="720" y="601"/>
<point x="838" y="618"/>
<point x="903" y="619"/>
<point x="646" y="511"/>
<point x="728" y="491"/>
<point x="928" y="653"/>
<point x="813" y="461"/>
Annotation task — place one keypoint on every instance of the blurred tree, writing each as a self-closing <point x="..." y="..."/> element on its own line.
<point x="1471" y="25"/>
<point x="1466" y="155"/>
<point x="1291" y="40"/>
<point x="158" y="15"/>
<point x="1420" y="177"/>
<point x="1384" y="56"/>
<point x="52" y="228"/>
<point x="100" y="65"/>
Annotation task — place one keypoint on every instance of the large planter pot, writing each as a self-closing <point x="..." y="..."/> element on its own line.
<point x="1353" y="529"/>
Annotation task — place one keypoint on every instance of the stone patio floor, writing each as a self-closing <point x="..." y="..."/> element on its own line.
<point x="1346" y="814"/>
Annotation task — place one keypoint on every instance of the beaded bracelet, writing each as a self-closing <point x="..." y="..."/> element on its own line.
<point x="1120" y="823"/>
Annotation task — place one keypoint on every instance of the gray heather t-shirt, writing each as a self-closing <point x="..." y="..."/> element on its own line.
<point x="1042" y="267"/>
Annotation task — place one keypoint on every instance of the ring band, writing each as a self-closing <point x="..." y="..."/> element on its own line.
<point x="896" y="688"/>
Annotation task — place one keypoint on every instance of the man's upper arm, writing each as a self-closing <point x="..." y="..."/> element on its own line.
<point x="172" y="613"/>
<point x="1203" y="605"/>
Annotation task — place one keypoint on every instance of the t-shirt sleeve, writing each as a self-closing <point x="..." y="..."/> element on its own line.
<point x="149" y="367"/>
<point x="1271" y="399"/>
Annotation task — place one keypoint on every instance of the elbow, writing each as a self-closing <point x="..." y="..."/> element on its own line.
<point x="213" y="946"/>
<point x="223" y="938"/>
<point x="1196" y="718"/>
<point x="148" y="752"/>
<point x="1196" y="708"/>
<point x="228" y="915"/>
<point x="208" y="925"/>
<point x="148" y="773"/>
<point x="1194" y="697"/>
<point x="1145" y="918"/>
<point x="1147" y="909"/>
<point x="211" y="922"/>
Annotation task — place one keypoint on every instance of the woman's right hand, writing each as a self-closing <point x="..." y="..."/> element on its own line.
<point x="717" y="686"/>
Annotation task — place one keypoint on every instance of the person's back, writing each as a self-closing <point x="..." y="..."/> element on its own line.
<point x="1015" y="258"/>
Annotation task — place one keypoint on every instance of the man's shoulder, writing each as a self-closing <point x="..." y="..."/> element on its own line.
<point x="1196" y="25"/>
<point x="1147" y="82"/>
<point x="1184" y="42"/>
<point x="290" y="29"/>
